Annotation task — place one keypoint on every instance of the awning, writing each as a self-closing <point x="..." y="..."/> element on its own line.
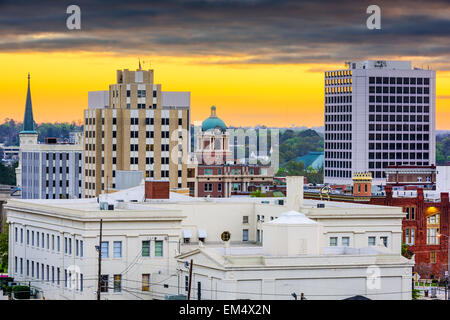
<point x="187" y="233"/>
<point x="202" y="233"/>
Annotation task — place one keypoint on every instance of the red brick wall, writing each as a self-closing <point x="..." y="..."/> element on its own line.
<point x="157" y="189"/>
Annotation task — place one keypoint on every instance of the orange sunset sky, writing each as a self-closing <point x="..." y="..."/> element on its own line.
<point x="273" y="95"/>
<point x="260" y="62"/>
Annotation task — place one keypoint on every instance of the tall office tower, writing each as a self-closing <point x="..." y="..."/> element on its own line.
<point x="135" y="127"/>
<point x="378" y="114"/>
<point x="50" y="170"/>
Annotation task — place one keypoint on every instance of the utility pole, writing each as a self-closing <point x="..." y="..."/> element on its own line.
<point x="100" y="262"/>
<point x="190" y="280"/>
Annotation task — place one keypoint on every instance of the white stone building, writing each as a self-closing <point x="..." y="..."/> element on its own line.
<point x="150" y="240"/>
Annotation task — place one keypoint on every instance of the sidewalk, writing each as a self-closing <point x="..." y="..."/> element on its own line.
<point x="440" y="295"/>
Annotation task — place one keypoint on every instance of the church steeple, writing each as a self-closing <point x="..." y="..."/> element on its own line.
<point x="28" y="121"/>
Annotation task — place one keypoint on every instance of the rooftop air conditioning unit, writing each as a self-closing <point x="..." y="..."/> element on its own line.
<point x="103" y="205"/>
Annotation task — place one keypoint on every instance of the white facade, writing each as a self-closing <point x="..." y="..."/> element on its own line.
<point x="67" y="247"/>
<point x="378" y="113"/>
<point x="180" y="222"/>
<point x="50" y="170"/>
<point x="245" y="273"/>
<point x="442" y="178"/>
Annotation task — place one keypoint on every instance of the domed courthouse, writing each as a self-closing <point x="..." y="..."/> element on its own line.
<point x="218" y="173"/>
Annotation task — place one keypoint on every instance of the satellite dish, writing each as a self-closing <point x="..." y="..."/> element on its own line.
<point x="225" y="236"/>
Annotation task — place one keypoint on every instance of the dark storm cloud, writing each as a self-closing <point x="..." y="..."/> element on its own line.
<point x="261" y="31"/>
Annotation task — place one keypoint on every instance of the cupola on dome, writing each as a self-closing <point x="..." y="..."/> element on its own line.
<point x="213" y="122"/>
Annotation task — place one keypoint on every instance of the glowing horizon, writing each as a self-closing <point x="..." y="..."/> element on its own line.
<point x="276" y="95"/>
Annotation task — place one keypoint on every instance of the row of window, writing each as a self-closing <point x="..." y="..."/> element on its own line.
<point x="400" y="90"/>
<point x="399" y="80"/>
<point x="60" y="183"/>
<point x="393" y="127"/>
<point x="60" y="170"/>
<point x="399" y="136"/>
<point x="338" y="164"/>
<point x="399" y="155"/>
<point x="338" y="173"/>
<point x="60" y="196"/>
<point x="338" y="81"/>
<point x="399" y="99"/>
<point x="338" y="136"/>
<point x="342" y="73"/>
<point x="337" y="99"/>
<point x="117" y="283"/>
<point x="338" y="155"/>
<point x="338" y="108"/>
<point x="345" y="241"/>
<point x="398" y="146"/>
<point x="338" y="90"/>
<point x="53" y="156"/>
<point x="117" y="249"/>
<point x="338" y="145"/>
<point x="47" y="273"/>
<point x="398" y="109"/>
<point x="338" y="118"/>
<point x="340" y="127"/>
<point x="208" y="187"/>
<point x="398" y="118"/>
<point x="47" y="241"/>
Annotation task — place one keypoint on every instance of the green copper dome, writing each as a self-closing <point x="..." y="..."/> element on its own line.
<point x="213" y="122"/>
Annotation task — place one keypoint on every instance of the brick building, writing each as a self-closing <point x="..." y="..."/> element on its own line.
<point x="425" y="225"/>
<point x="411" y="177"/>
<point x="425" y="228"/>
<point x="218" y="174"/>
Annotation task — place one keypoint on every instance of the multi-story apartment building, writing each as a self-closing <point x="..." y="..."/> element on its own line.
<point x="135" y="126"/>
<point x="378" y="114"/>
<point x="50" y="170"/>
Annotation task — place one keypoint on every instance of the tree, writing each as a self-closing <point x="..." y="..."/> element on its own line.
<point x="424" y="270"/>
<point x="257" y="194"/>
<point x="295" y="168"/>
<point x="406" y="252"/>
<point x="4" y="236"/>
<point x="8" y="174"/>
<point x="281" y="172"/>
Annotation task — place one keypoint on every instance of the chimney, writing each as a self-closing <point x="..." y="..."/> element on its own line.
<point x="157" y="189"/>
<point x="294" y="192"/>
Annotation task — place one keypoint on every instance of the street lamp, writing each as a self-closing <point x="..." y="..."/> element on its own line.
<point x="448" y="261"/>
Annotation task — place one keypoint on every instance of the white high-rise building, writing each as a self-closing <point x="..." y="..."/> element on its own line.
<point x="377" y="114"/>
